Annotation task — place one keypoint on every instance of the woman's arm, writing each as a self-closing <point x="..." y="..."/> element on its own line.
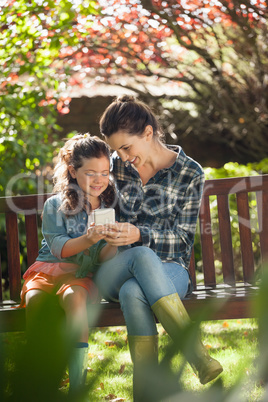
<point x="171" y="237"/>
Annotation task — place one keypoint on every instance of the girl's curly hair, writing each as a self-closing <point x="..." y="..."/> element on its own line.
<point x="72" y="153"/>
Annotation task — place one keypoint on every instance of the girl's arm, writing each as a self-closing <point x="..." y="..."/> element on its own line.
<point x="107" y="252"/>
<point x="78" y="244"/>
<point x="56" y="233"/>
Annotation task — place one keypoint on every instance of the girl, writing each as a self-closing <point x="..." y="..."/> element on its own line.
<point x="72" y="246"/>
<point x="160" y="191"/>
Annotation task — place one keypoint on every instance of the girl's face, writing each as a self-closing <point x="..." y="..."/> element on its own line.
<point x="92" y="177"/>
<point x="132" y="148"/>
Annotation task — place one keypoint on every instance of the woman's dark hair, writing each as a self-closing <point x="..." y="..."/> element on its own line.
<point x="130" y="115"/>
<point x="72" y="153"/>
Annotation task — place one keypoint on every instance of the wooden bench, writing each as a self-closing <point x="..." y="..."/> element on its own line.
<point x="232" y="296"/>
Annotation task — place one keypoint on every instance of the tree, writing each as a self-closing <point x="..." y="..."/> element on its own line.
<point x="202" y="64"/>
<point x="32" y="36"/>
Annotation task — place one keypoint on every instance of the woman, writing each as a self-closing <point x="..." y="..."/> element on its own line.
<point x="160" y="191"/>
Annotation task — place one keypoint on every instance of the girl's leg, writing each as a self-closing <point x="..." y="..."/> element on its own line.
<point x="74" y="302"/>
<point x="34" y="299"/>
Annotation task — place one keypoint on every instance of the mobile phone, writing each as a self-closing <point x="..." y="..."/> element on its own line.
<point x="104" y="216"/>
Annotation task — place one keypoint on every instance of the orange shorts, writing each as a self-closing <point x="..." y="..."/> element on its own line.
<point x="57" y="285"/>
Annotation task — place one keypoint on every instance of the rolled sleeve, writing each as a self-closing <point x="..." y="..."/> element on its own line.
<point x="54" y="227"/>
<point x="57" y="245"/>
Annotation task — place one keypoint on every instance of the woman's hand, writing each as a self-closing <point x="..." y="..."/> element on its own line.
<point x="122" y="234"/>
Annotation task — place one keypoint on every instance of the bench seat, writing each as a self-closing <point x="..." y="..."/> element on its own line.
<point x="223" y="302"/>
<point x="224" y="298"/>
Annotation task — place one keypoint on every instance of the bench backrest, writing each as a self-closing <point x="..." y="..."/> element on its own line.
<point x="29" y="206"/>
<point x="252" y="236"/>
<point x="241" y="205"/>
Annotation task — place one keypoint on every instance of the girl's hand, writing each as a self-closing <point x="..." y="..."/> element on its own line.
<point x="82" y="243"/>
<point x="96" y="233"/>
<point x="122" y="234"/>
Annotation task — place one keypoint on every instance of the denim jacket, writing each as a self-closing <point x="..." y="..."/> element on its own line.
<point x="57" y="229"/>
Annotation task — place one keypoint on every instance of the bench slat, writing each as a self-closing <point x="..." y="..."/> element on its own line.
<point x="31" y="238"/>
<point x="232" y="185"/>
<point x="23" y="203"/>
<point x="192" y="269"/>
<point x="262" y="201"/>
<point x="1" y="291"/>
<point x="207" y="243"/>
<point x="245" y="236"/>
<point x="226" y="240"/>
<point x="13" y="255"/>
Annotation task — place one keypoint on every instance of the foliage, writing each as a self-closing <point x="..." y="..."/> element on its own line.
<point x="234" y="169"/>
<point x="32" y="36"/>
<point x="201" y="64"/>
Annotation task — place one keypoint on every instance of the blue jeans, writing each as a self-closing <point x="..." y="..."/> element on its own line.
<point x="137" y="278"/>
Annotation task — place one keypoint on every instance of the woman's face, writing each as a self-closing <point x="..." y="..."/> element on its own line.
<point x="132" y="148"/>
<point x="93" y="176"/>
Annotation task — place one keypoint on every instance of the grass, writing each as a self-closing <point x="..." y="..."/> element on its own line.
<point x="234" y="343"/>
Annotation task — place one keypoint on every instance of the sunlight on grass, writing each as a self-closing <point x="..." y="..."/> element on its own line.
<point x="233" y="343"/>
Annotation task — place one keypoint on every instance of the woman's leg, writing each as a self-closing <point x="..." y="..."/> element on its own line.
<point x="142" y="335"/>
<point x="138" y="262"/>
<point x="74" y="301"/>
<point x="141" y="327"/>
<point x="137" y="311"/>
<point x="170" y="312"/>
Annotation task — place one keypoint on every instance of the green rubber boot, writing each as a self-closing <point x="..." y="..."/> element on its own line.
<point x="171" y="313"/>
<point x="78" y="368"/>
<point x="144" y="355"/>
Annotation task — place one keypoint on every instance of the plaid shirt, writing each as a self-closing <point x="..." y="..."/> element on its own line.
<point x="166" y="208"/>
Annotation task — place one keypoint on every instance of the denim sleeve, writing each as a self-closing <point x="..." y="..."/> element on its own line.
<point x="54" y="227"/>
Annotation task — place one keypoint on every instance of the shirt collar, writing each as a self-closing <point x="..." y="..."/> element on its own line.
<point x="179" y="162"/>
<point x="174" y="169"/>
